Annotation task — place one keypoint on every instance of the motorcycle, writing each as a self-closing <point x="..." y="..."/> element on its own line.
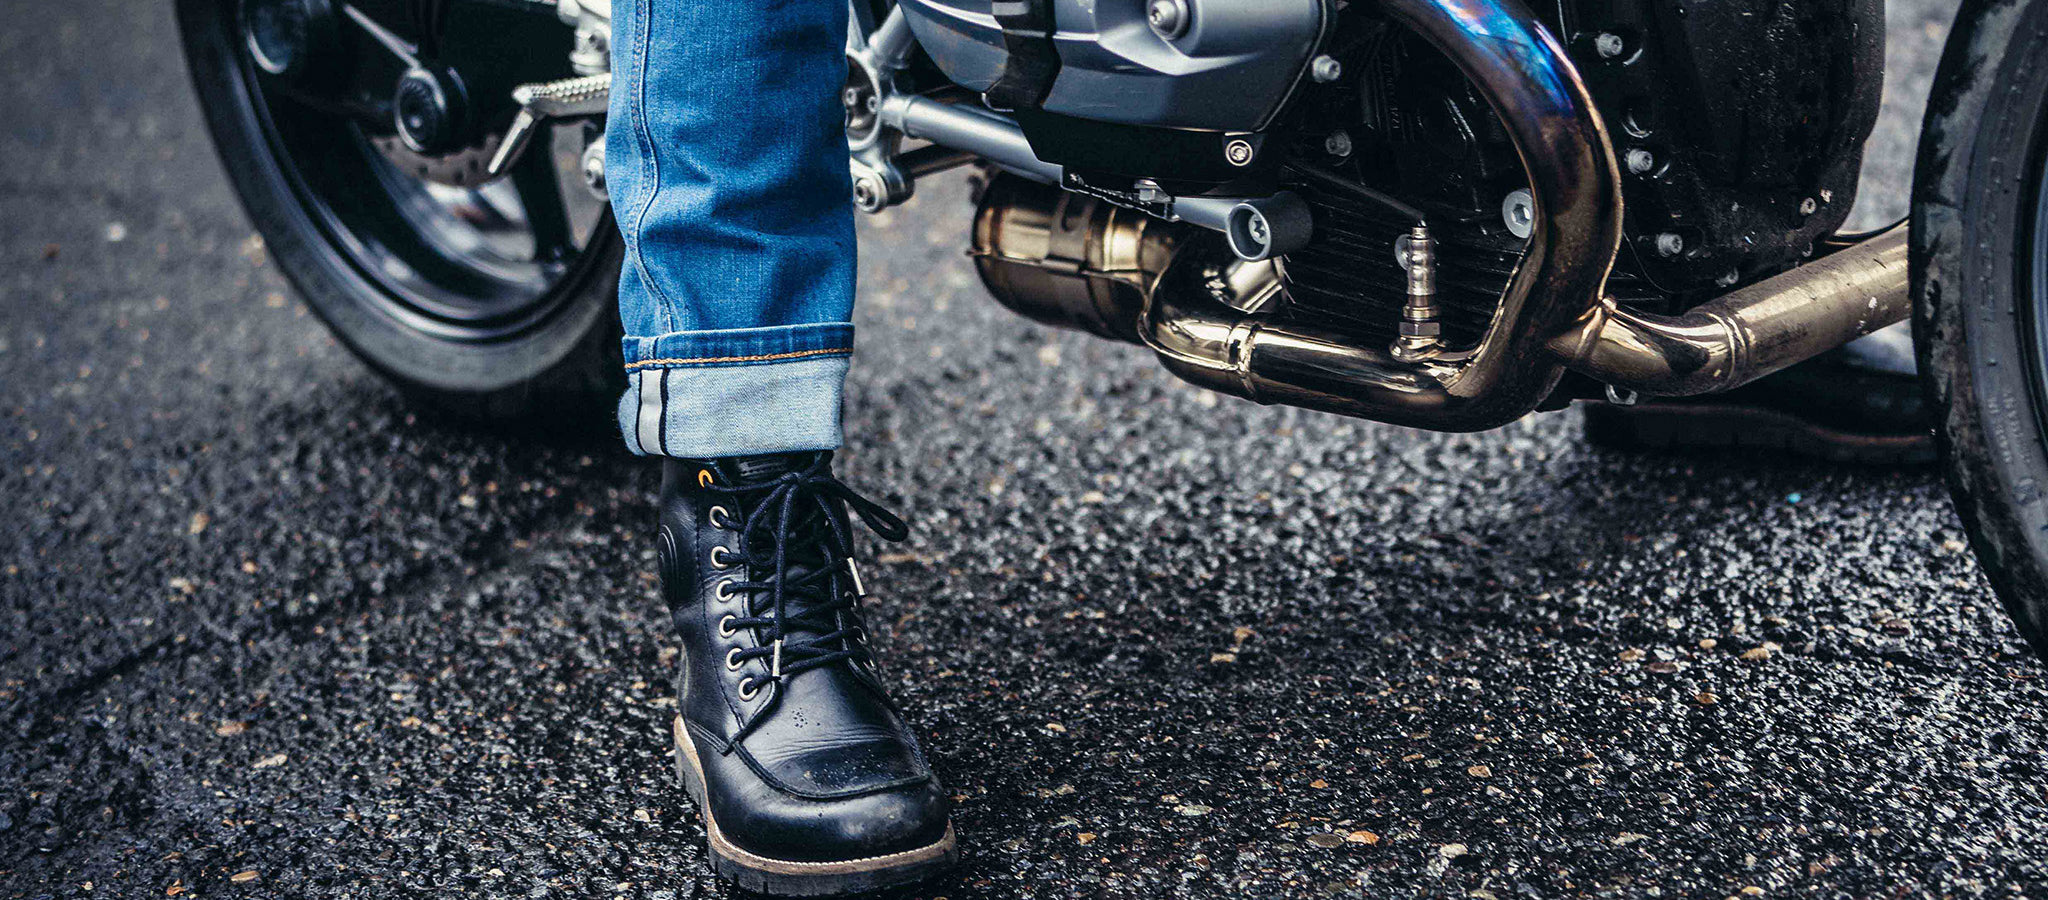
<point x="1444" y="214"/>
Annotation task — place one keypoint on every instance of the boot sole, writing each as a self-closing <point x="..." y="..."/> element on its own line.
<point x="800" y="878"/>
<point x="1706" y="427"/>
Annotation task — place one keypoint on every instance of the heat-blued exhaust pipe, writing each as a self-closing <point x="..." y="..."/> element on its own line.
<point x="1737" y="338"/>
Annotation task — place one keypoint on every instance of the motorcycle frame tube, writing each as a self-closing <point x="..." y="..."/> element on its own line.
<point x="989" y="135"/>
<point x="1749" y="333"/>
<point x="1557" y="286"/>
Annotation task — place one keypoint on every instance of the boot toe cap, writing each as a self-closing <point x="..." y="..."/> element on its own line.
<point x="899" y="819"/>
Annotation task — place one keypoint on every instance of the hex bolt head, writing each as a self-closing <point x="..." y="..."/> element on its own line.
<point x="1326" y="69"/>
<point x="1238" y="152"/>
<point x="1640" y="161"/>
<point x="867" y="193"/>
<point x="1518" y="213"/>
<point x="1609" y="45"/>
<point x="1808" y="206"/>
<point x="1337" y="144"/>
<point x="1168" y="18"/>
<point x="592" y="167"/>
<point x="850" y="97"/>
<point x="1669" y="244"/>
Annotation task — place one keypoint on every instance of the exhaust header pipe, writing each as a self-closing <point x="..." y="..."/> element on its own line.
<point x="1738" y="338"/>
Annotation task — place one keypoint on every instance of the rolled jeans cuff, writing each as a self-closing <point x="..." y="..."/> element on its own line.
<point x="735" y="392"/>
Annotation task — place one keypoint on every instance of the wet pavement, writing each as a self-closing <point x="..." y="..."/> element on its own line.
<point x="271" y="632"/>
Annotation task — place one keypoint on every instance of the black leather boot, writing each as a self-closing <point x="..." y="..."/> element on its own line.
<point x="808" y="779"/>
<point x="1862" y="403"/>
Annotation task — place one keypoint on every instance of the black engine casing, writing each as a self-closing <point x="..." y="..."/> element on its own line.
<point x="1753" y="114"/>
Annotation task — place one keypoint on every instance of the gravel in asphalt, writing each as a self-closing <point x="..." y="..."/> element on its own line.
<point x="271" y="632"/>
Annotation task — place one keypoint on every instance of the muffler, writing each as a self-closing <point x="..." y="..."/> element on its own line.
<point x="1068" y="259"/>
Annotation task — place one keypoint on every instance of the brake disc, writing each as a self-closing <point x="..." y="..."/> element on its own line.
<point x="466" y="168"/>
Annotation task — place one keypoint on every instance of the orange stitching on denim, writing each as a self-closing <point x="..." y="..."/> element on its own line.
<point x="705" y="360"/>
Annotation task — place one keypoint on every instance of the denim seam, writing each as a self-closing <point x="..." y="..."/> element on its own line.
<point x="720" y="360"/>
<point x="652" y="177"/>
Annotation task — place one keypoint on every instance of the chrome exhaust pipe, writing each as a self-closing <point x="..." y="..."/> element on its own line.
<point x="1733" y="340"/>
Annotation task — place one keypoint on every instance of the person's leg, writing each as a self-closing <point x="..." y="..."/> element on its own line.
<point x="727" y="165"/>
<point x="726" y="161"/>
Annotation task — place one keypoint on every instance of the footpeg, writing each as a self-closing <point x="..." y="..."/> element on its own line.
<point x="543" y="102"/>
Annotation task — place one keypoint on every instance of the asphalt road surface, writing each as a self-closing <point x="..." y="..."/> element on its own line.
<point x="267" y="631"/>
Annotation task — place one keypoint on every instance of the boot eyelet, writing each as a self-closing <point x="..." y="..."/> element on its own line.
<point x="724" y="627"/>
<point x="732" y="665"/>
<point x="720" y="559"/>
<point x="748" y="689"/>
<point x="724" y="591"/>
<point x="703" y="477"/>
<point x="720" y="517"/>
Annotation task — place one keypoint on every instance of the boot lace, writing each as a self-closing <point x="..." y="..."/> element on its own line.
<point x="806" y="605"/>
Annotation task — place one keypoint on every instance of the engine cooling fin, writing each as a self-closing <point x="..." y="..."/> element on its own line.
<point x="1347" y="276"/>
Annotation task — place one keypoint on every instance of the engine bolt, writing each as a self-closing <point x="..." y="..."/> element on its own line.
<point x="1238" y="152"/>
<point x="1326" y="69"/>
<point x="867" y="193"/>
<point x="1168" y="18"/>
<point x="1337" y="144"/>
<point x="593" y="168"/>
<point x="1609" y="45"/>
<point x="1669" y="244"/>
<point x="1518" y="213"/>
<point x="1807" y="206"/>
<point x="1640" y="161"/>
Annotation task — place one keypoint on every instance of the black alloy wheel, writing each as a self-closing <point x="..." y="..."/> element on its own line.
<point x="357" y="135"/>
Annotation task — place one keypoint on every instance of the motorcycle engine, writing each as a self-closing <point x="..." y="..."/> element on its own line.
<point x="1161" y="90"/>
<point x="1733" y="166"/>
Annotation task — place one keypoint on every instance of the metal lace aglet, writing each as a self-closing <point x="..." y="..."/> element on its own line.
<point x="853" y="571"/>
<point x="775" y="660"/>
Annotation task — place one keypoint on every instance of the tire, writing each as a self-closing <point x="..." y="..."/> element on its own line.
<point x="554" y="354"/>
<point x="1980" y="285"/>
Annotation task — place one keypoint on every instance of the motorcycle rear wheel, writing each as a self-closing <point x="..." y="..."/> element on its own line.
<point x="424" y="282"/>
<point x="1980" y="285"/>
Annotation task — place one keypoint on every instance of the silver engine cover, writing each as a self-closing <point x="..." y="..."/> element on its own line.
<point x="1230" y="70"/>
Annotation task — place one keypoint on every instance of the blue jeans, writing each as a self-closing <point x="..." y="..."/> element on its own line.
<point x="726" y="158"/>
